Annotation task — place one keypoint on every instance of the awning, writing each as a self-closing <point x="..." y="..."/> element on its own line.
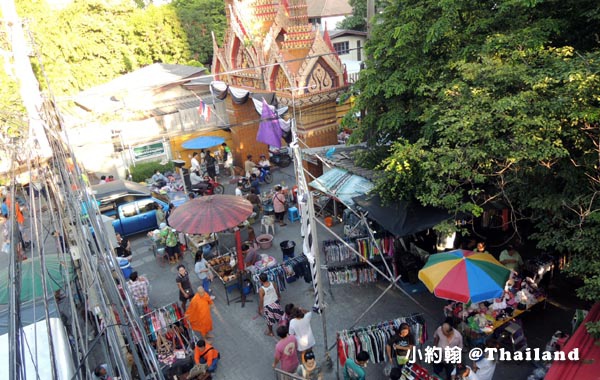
<point x="588" y="365"/>
<point x="119" y="188"/>
<point x="342" y="185"/>
<point x="401" y="218"/>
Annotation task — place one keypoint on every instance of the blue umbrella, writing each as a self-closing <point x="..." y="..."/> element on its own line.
<point x="203" y="142"/>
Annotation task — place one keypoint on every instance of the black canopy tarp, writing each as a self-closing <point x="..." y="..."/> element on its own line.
<point x="400" y="218"/>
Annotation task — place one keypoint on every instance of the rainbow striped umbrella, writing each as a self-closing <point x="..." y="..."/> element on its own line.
<point x="464" y="276"/>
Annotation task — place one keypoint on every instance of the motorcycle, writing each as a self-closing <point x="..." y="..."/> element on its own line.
<point x="265" y="176"/>
<point x="280" y="157"/>
<point x="209" y="187"/>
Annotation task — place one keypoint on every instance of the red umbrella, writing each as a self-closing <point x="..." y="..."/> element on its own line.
<point x="212" y="213"/>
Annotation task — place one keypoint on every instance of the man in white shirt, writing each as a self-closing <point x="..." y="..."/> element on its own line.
<point x="238" y="190"/>
<point x="195" y="164"/>
<point x="446" y="336"/>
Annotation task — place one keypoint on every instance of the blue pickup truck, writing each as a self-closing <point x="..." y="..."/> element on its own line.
<point x="130" y="205"/>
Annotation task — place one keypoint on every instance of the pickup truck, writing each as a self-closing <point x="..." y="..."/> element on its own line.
<point x="130" y="205"/>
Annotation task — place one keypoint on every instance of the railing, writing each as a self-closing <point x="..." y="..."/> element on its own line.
<point x="282" y="375"/>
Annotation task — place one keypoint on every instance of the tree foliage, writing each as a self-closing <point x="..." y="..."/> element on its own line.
<point x="358" y="19"/>
<point x="199" y="19"/>
<point x="479" y="102"/>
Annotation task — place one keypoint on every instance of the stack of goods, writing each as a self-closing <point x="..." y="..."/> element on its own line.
<point x="224" y="267"/>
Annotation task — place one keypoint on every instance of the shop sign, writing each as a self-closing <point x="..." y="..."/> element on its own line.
<point x="142" y="152"/>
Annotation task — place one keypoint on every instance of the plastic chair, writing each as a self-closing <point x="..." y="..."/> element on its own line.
<point x="268" y="221"/>
<point x="293" y="214"/>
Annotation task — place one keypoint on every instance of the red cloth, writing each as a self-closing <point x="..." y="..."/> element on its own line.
<point x="588" y="366"/>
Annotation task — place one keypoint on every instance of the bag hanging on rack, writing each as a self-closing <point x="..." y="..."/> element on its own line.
<point x="163" y="346"/>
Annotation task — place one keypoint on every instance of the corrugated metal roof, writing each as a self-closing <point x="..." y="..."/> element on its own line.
<point x="342" y="157"/>
<point x="112" y="96"/>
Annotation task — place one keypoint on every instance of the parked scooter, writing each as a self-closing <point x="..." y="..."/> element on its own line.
<point x="264" y="177"/>
<point x="280" y="157"/>
<point x="208" y="187"/>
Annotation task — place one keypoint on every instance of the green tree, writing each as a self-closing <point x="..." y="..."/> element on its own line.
<point x="201" y="18"/>
<point x="90" y="42"/>
<point x="358" y="19"/>
<point x="474" y="102"/>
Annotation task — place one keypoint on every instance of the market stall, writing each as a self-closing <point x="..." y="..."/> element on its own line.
<point x="486" y="298"/>
<point x="226" y="270"/>
<point x="216" y="213"/>
<point x="351" y="341"/>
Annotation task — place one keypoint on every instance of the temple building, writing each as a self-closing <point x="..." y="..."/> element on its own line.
<point x="271" y="51"/>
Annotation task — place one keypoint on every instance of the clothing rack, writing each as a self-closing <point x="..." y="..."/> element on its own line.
<point x="284" y="273"/>
<point x="356" y="274"/>
<point x="337" y="252"/>
<point x="373" y="338"/>
<point x="162" y="318"/>
<point x="167" y="331"/>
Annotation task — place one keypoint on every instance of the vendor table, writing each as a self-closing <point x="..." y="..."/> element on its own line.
<point x="516" y="313"/>
<point x="196" y="242"/>
<point x="229" y="276"/>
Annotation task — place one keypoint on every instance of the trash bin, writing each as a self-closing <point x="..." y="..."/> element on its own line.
<point x="126" y="268"/>
<point x="287" y="249"/>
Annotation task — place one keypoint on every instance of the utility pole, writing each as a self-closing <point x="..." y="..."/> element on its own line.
<point x="370" y="14"/>
<point x="29" y="86"/>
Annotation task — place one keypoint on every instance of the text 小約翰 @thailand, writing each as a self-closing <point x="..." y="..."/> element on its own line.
<point x="453" y="355"/>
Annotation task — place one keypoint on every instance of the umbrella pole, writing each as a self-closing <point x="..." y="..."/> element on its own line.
<point x="240" y="264"/>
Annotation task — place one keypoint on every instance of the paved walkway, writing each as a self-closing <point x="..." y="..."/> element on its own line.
<point x="248" y="354"/>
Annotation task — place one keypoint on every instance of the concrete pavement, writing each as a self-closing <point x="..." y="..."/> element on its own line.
<point x="248" y="354"/>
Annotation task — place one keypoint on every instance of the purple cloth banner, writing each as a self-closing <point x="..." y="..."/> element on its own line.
<point x="269" y="130"/>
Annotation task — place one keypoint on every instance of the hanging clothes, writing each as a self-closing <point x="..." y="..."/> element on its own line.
<point x="289" y="271"/>
<point x="373" y="338"/>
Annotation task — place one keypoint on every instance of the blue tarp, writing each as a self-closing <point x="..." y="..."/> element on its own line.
<point x="342" y="185"/>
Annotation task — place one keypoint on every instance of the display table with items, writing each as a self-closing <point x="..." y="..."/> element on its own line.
<point x="479" y="320"/>
<point x="225" y="268"/>
<point x="205" y="243"/>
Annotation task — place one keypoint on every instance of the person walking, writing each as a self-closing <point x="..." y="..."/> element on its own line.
<point x="399" y="346"/>
<point x="195" y="164"/>
<point x="486" y="365"/>
<point x="446" y="336"/>
<point x="161" y="217"/>
<point x="203" y="272"/>
<point x="211" y="163"/>
<point x="228" y="160"/>
<point x="300" y="327"/>
<point x="286" y="351"/>
<point x="139" y="286"/>
<point x="184" y="285"/>
<point x="170" y="240"/>
<point x="198" y="314"/>
<point x="279" y="206"/>
<point x="268" y="303"/>
<point x="355" y="369"/>
<point x="205" y="353"/>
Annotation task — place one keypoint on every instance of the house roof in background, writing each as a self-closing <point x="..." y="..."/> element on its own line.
<point x="345" y="32"/>
<point x="328" y="8"/>
<point x="112" y="96"/>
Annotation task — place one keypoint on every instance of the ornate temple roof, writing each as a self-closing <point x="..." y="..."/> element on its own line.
<point x="270" y="45"/>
